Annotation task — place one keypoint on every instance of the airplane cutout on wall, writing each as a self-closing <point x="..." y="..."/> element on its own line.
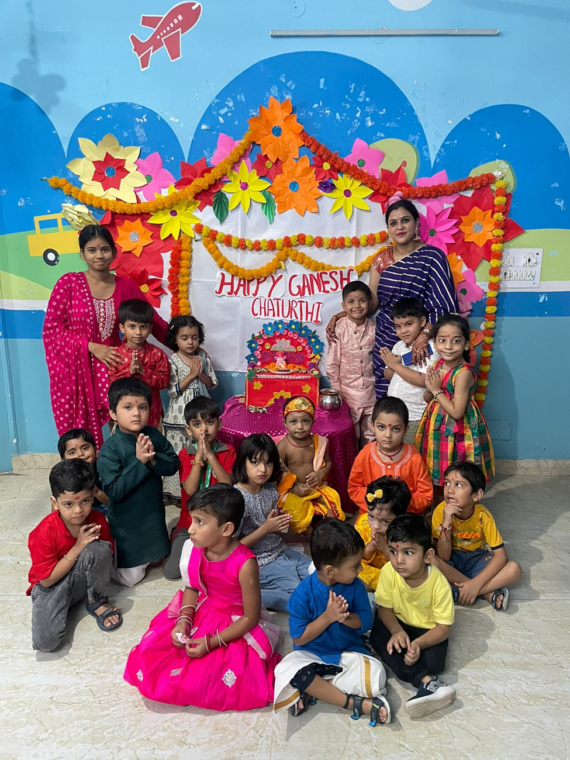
<point x="168" y="32"/>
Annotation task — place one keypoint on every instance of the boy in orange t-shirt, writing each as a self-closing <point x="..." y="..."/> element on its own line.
<point x="389" y="455"/>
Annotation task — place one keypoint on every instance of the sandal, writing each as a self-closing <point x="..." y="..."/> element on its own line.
<point x="504" y="592"/>
<point x="455" y="594"/>
<point x="102" y="616"/>
<point x="307" y="701"/>
<point x="377" y="703"/>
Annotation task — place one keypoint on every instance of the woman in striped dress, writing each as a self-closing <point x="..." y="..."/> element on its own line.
<point x="405" y="268"/>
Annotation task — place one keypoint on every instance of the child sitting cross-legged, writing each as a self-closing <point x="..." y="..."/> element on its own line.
<point x="203" y="463"/>
<point x="71" y="558"/>
<point x="386" y="499"/>
<point x="468" y="540"/>
<point x="79" y="443"/>
<point x="210" y="647"/>
<point x="329" y="612"/>
<point x="131" y="464"/>
<point x="303" y="492"/>
<point x="415" y="614"/>
<point x="390" y="455"/>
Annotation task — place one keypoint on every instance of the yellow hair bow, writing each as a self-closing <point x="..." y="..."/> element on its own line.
<point x="378" y="494"/>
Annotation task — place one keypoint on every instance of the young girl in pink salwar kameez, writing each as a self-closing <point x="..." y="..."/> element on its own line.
<point x="210" y="647"/>
<point x="80" y="329"/>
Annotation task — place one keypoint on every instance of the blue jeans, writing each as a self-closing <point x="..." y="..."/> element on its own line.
<point x="281" y="577"/>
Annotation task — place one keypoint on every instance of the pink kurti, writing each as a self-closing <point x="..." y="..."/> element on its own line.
<point x="78" y="381"/>
<point x="349" y="369"/>
<point x="239" y="677"/>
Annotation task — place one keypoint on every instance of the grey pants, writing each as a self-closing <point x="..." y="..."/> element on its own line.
<point x="88" y="577"/>
<point x="171" y="567"/>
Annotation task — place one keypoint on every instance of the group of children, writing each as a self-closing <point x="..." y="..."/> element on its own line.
<point x="379" y="593"/>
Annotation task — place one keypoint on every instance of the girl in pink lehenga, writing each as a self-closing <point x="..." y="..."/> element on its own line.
<point x="210" y="648"/>
<point x="80" y="331"/>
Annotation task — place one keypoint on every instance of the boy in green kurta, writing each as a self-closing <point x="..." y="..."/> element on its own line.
<point x="131" y="464"/>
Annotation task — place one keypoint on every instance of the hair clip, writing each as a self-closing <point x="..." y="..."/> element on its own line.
<point x="378" y="494"/>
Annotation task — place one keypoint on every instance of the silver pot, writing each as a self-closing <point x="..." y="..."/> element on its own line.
<point x="330" y="400"/>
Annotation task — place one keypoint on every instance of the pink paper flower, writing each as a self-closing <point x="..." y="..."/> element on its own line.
<point x="224" y="148"/>
<point x="365" y="158"/>
<point x="440" y="178"/>
<point x="468" y="292"/>
<point x="157" y="177"/>
<point x="437" y="228"/>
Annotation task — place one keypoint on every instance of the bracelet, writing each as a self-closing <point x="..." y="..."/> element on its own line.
<point x="69" y="558"/>
<point x="183" y="620"/>
<point x="220" y="639"/>
<point x="177" y="389"/>
<point x="207" y="644"/>
<point x="444" y="531"/>
<point x="436" y="394"/>
<point x="426" y="330"/>
<point x="185" y="606"/>
<point x="197" y="463"/>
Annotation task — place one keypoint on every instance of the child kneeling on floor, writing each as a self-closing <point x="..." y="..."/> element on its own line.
<point x="467" y="540"/>
<point x="71" y="558"/>
<point x="329" y="612"/>
<point x="415" y="614"/>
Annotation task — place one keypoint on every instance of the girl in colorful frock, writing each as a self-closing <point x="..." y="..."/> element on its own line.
<point x="452" y="428"/>
<point x="191" y="375"/>
<point x="210" y="648"/>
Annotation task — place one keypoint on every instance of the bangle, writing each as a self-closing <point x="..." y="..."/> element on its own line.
<point x="197" y="463"/>
<point x="69" y="558"/>
<point x="186" y="606"/>
<point x="426" y="330"/>
<point x="207" y="644"/>
<point x="220" y="639"/>
<point x="177" y="389"/>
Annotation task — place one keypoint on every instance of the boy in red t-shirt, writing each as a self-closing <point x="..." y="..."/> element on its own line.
<point x="204" y="462"/>
<point x="71" y="551"/>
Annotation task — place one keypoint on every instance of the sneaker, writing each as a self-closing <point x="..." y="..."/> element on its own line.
<point x="431" y="696"/>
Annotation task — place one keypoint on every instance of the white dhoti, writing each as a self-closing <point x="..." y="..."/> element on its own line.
<point x="362" y="675"/>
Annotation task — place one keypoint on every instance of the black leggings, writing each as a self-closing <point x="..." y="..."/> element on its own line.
<point x="430" y="663"/>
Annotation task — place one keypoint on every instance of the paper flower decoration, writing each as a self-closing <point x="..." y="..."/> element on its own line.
<point x="190" y="172"/>
<point x="276" y="130"/>
<point x="127" y="263"/>
<point x="397" y="179"/>
<point x="456" y="266"/>
<point x="224" y="147"/>
<point x="108" y="170"/>
<point x="349" y="194"/>
<point x="437" y="228"/>
<point x="440" y="178"/>
<point x="365" y="158"/>
<point x="179" y="217"/>
<point x="474" y="235"/>
<point x="296" y="188"/>
<point x="157" y="177"/>
<point x="265" y="167"/>
<point x="468" y="292"/>
<point x="77" y="215"/>
<point x="245" y="187"/>
<point x="151" y="288"/>
<point x="323" y="170"/>
<point x="133" y="236"/>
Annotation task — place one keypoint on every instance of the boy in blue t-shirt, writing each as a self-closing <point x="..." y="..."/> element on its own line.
<point x="329" y="612"/>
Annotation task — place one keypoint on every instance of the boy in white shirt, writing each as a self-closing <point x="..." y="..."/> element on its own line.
<point x="408" y="381"/>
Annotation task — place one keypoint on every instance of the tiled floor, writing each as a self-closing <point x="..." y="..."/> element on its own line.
<point x="510" y="670"/>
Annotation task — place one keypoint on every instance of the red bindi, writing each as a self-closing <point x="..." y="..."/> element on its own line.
<point x="77" y="498"/>
<point x="397" y="546"/>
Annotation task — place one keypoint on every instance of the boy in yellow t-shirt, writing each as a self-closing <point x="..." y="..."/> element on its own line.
<point x="415" y="615"/>
<point x="386" y="499"/>
<point x="468" y="540"/>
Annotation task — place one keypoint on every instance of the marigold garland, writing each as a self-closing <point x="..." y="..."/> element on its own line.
<point x="278" y="262"/>
<point x="162" y="202"/>
<point x="291" y="241"/>
<point x="499" y="217"/>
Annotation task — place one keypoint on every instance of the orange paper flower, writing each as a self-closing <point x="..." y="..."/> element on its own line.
<point x="133" y="236"/>
<point x="478" y="226"/>
<point x="296" y="187"/>
<point x="276" y="130"/>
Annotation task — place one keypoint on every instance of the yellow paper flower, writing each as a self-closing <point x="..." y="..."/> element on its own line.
<point x="349" y="194"/>
<point x="108" y="170"/>
<point x="245" y="187"/>
<point x="179" y="217"/>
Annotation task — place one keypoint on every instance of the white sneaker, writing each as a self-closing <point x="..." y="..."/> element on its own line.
<point x="430" y="697"/>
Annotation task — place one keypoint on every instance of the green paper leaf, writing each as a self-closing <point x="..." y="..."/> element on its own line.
<point x="268" y="207"/>
<point x="221" y="205"/>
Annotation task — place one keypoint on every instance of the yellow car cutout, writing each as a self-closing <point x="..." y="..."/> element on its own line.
<point x="50" y="243"/>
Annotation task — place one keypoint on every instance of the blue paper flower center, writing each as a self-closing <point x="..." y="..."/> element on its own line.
<point x="276" y="131"/>
<point x="293" y="186"/>
<point x="110" y="171"/>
